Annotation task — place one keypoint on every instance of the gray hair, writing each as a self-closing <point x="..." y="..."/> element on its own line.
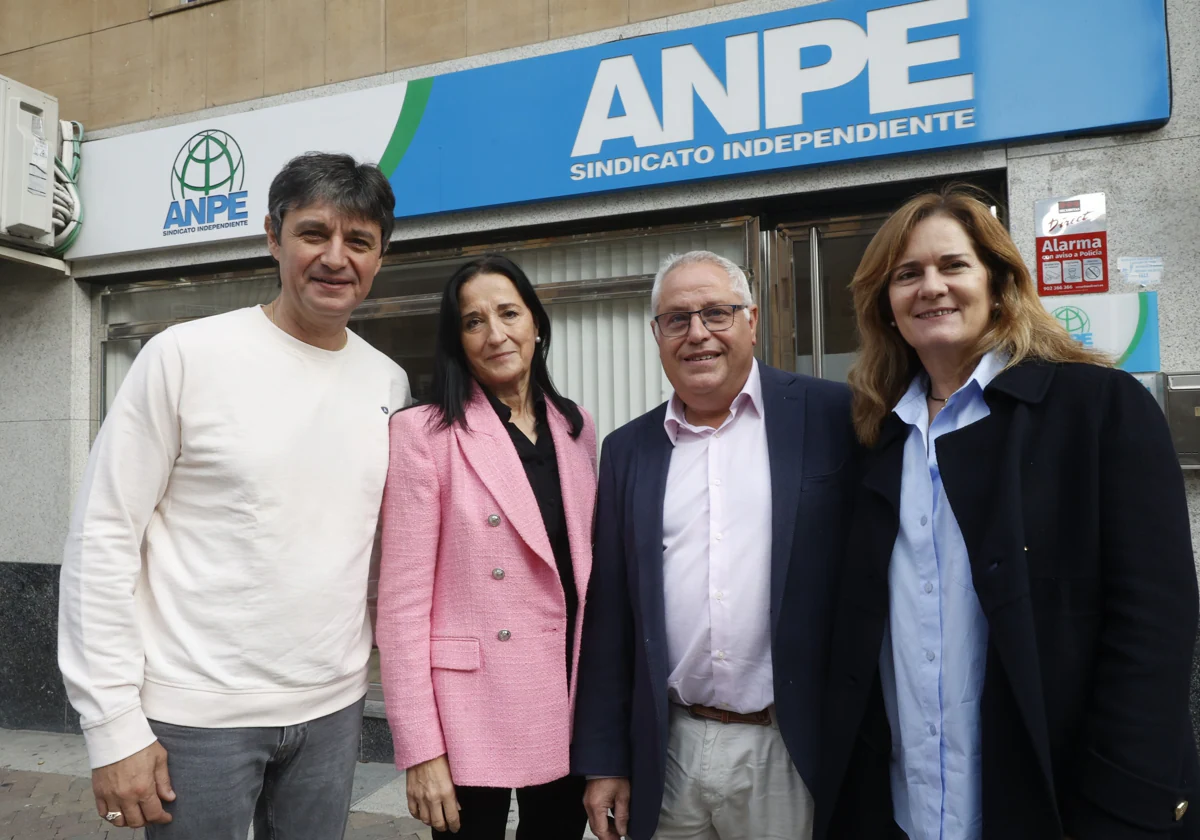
<point x="358" y="190"/>
<point x="737" y="277"/>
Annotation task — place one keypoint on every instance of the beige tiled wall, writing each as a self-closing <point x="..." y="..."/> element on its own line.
<point x="236" y="44"/>
<point x="109" y="13"/>
<point x="111" y="62"/>
<point x="63" y="68"/>
<point x="294" y="56"/>
<point x="572" y="17"/>
<point x="647" y="9"/>
<point x="422" y="31"/>
<point x="180" y="62"/>
<point x="122" y="61"/>
<point x="355" y="39"/>
<point x="498" y="24"/>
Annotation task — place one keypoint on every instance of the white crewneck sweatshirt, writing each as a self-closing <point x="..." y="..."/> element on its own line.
<point x="215" y="572"/>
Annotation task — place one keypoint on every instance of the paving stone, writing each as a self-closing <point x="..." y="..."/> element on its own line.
<point x="50" y="785"/>
<point x="47" y="806"/>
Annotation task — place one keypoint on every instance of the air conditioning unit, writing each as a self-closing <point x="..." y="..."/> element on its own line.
<point x="29" y="138"/>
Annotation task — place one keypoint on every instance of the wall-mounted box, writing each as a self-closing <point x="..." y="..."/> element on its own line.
<point x="1183" y="416"/>
<point x="28" y="146"/>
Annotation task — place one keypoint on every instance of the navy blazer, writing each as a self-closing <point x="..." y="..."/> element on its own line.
<point x="621" y="709"/>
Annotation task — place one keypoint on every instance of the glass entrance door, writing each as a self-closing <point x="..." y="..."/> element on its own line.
<point x="812" y="265"/>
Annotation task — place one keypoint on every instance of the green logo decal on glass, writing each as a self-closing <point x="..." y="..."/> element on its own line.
<point x="1073" y="319"/>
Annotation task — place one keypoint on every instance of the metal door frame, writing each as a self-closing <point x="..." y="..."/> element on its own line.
<point x="778" y="260"/>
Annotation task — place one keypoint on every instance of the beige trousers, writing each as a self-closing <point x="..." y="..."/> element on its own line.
<point x="731" y="781"/>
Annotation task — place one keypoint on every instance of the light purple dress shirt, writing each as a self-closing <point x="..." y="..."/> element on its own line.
<point x="717" y="557"/>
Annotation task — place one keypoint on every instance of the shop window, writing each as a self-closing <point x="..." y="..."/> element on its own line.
<point x="813" y="323"/>
<point x="809" y="324"/>
<point x="116" y="357"/>
<point x="596" y="288"/>
<point x="132" y="314"/>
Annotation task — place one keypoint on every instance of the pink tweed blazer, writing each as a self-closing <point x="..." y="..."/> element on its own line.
<point x="472" y="621"/>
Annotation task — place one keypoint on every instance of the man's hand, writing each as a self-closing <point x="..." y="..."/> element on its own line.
<point x="431" y="796"/>
<point x="601" y="796"/>
<point x="136" y="786"/>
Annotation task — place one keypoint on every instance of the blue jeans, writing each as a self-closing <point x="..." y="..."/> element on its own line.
<point x="293" y="782"/>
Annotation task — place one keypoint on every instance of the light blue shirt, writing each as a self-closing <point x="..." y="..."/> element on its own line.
<point x="935" y="645"/>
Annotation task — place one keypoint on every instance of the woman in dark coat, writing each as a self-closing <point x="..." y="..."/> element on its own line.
<point x="1014" y="632"/>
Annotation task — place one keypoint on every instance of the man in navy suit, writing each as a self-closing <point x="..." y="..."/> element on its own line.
<point x="720" y="520"/>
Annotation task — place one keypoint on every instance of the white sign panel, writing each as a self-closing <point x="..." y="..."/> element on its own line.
<point x="206" y="181"/>
<point x="1072" y="245"/>
<point x="1141" y="270"/>
<point x="1123" y="326"/>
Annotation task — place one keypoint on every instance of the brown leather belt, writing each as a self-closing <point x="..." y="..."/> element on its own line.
<point x="762" y="718"/>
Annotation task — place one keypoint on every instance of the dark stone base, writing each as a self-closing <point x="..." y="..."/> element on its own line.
<point x="376" y="743"/>
<point x="32" y="695"/>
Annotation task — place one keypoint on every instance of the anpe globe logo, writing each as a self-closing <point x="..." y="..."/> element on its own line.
<point x="1075" y="321"/>
<point x="206" y="185"/>
<point x="209" y="161"/>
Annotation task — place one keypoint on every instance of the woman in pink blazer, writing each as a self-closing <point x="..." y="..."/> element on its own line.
<point x="487" y="534"/>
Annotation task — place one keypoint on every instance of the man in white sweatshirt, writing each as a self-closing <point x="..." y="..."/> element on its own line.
<point x="213" y="626"/>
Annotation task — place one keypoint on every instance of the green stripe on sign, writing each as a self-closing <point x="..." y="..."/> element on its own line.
<point x="416" y="97"/>
<point x="1143" y="317"/>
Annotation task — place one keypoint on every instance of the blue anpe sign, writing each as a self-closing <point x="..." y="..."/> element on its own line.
<point x="827" y="82"/>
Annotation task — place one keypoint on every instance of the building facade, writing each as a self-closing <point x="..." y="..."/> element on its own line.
<point x="543" y="130"/>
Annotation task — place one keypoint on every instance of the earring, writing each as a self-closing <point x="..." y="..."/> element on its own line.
<point x="893" y="323"/>
<point x="538" y="339"/>
<point x="996" y="305"/>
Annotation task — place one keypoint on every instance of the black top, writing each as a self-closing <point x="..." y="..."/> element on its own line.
<point x="541" y="468"/>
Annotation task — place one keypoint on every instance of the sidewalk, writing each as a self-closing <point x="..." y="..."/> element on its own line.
<point x="46" y="794"/>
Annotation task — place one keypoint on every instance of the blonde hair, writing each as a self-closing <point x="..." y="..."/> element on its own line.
<point x="1020" y="327"/>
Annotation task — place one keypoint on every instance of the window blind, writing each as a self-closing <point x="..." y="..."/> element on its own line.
<point x="603" y="356"/>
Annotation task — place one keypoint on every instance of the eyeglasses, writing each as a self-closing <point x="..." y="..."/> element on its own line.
<point x="716" y="318"/>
